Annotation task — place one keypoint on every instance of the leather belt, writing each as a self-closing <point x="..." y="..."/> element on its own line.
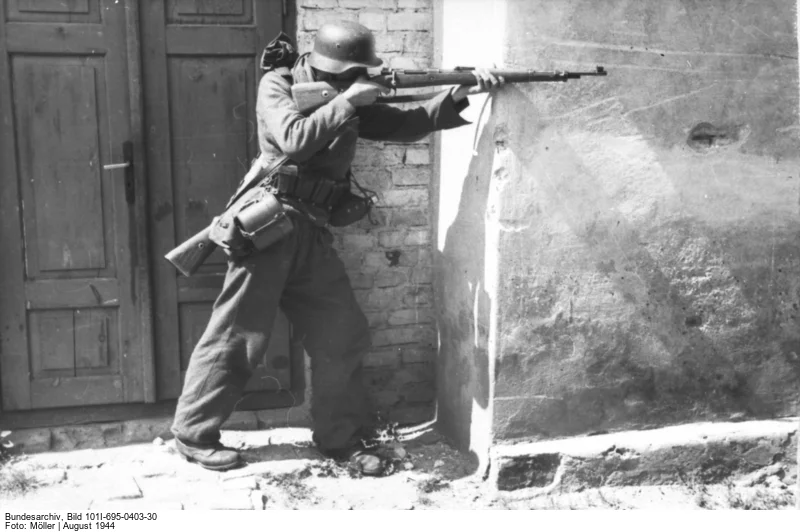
<point x="322" y="192"/>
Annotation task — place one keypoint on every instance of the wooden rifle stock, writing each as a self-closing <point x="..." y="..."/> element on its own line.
<point x="188" y="257"/>
<point x="311" y="96"/>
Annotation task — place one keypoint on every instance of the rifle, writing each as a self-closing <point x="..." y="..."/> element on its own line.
<point x="191" y="254"/>
<point x="313" y="95"/>
<point x="310" y="96"/>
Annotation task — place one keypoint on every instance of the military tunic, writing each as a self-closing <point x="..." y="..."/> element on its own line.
<point x="301" y="274"/>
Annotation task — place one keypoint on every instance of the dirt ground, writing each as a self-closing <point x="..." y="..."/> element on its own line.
<point x="283" y="471"/>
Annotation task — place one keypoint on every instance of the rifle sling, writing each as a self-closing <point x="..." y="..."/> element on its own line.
<point x="259" y="177"/>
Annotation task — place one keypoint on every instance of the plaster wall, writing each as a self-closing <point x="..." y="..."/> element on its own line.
<point x="634" y="257"/>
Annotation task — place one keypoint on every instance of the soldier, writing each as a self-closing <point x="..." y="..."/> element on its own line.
<point x="302" y="273"/>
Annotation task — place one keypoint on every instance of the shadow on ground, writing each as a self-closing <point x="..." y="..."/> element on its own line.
<point x="283" y="471"/>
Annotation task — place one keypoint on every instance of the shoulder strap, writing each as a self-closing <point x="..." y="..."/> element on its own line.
<point x="254" y="178"/>
<point x="285" y="73"/>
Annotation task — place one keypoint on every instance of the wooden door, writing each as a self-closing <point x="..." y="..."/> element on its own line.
<point x="201" y="73"/>
<point x="74" y="307"/>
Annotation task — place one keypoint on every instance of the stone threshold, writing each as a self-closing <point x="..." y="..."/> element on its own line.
<point x="114" y="434"/>
<point x="691" y="454"/>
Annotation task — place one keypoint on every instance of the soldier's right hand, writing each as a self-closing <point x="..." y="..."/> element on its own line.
<point x="363" y="92"/>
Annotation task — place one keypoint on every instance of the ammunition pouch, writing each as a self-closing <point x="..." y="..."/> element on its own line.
<point x="319" y="191"/>
<point x="349" y="210"/>
<point x="257" y="224"/>
<point x="333" y="196"/>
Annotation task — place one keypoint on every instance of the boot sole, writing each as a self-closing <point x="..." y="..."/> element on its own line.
<point x="211" y="467"/>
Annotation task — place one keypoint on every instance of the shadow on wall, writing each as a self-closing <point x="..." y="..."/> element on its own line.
<point x="655" y="352"/>
<point x="463" y="378"/>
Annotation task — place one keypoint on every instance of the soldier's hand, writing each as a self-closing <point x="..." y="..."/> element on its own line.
<point x="363" y="92"/>
<point x="486" y="82"/>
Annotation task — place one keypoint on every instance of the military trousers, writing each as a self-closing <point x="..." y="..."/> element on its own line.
<point x="303" y="276"/>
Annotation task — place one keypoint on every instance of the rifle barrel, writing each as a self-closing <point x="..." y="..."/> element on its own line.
<point x="406" y="79"/>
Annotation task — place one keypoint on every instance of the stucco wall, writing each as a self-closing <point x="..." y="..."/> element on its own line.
<point x="646" y="223"/>
<point x="467" y="33"/>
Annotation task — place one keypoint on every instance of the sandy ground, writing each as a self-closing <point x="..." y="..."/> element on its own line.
<point x="283" y="471"/>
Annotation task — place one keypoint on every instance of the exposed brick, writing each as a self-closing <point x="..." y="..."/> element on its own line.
<point x="411" y="176"/>
<point x="409" y="20"/>
<point x="391" y="240"/>
<point x="305" y="41"/>
<point x="372" y="178"/>
<point x="379" y="216"/>
<point x="408" y="63"/>
<point x="375" y="260"/>
<point x="396" y="258"/>
<point x="409" y="217"/>
<point x="406" y="197"/>
<point x="417" y="237"/>
<point x="414" y="4"/>
<point x="362" y="280"/>
<point x="418" y="42"/>
<point x="372" y="19"/>
<point x="396" y="239"/>
<point x="379" y="298"/>
<point x="414" y="355"/>
<point x="411" y="316"/>
<point x="418" y="156"/>
<point x="321" y="4"/>
<point x="386" y="398"/>
<point x="369" y="156"/>
<point x="413" y="413"/>
<point x="386" y="357"/>
<point x="376" y="319"/>
<point x="312" y="19"/>
<point x="394" y="155"/>
<point x="359" y="4"/>
<point x="416" y="373"/>
<point x="392" y="41"/>
<point x="403" y="335"/>
<point x="424" y="257"/>
<point x="405" y="257"/>
<point x="418" y="296"/>
<point x="358" y="241"/>
<point x="352" y="259"/>
<point x="391" y="277"/>
<point x="422" y="275"/>
<point x="418" y="392"/>
<point x="32" y="440"/>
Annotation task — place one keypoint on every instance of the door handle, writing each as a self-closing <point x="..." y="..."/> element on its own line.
<point x="127" y="165"/>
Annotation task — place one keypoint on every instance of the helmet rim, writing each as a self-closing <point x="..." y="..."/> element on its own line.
<point x="341" y="46"/>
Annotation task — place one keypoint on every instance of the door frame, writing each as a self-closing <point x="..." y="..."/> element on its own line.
<point x="143" y="265"/>
<point x="140" y="256"/>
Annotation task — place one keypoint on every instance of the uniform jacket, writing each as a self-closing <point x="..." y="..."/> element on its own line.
<point x="324" y="143"/>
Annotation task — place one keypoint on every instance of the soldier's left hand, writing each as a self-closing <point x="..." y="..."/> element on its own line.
<point x="487" y="82"/>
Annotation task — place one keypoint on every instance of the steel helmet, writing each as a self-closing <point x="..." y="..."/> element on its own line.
<point x="343" y="45"/>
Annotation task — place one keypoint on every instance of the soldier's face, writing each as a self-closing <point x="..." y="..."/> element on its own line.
<point x="347" y="75"/>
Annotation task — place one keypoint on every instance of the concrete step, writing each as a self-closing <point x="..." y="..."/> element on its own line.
<point x="699" y="453"/>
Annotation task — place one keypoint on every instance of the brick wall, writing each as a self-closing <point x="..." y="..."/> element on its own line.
<point x="389" y="263"/>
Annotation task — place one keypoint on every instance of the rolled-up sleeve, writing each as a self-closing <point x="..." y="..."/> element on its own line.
<point x="297" y="136"/>
<point x="384" y="122"/>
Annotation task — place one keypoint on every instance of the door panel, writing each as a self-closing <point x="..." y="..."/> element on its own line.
<point x="57" y="102"/>
<point x="71" y="313"/>
<point x="201" y="78"/>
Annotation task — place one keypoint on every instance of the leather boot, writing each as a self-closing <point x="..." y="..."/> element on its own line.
<point x="357" y="457"/>
<point x="215" y="457"/>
